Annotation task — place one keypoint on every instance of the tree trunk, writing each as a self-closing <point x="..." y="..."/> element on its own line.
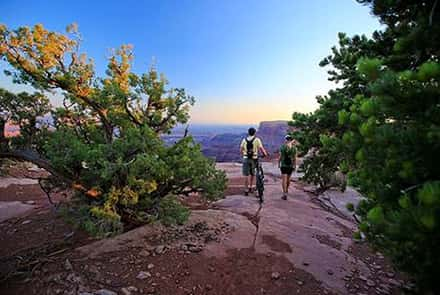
<point x="2" y="130"/>
<point x="3" y="139"/>
<point x="30" y="156"/>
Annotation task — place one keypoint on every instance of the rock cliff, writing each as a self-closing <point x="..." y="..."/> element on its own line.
<point x="272" y="134"/>
<point x="225" y="147"/>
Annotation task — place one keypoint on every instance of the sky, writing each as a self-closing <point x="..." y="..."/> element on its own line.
<point x="243" y="61"/>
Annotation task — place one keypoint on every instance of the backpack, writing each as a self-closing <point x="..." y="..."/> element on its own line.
<point x="250" y="147"/>
<point x="286" y="156"/>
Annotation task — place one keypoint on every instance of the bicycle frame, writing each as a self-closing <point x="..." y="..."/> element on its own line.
<point x="259" y="181"/>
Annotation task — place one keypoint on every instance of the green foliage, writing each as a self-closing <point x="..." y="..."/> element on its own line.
<point x="24" y="110"/>
<point x="376" y="215"/>
<point x="105" y="141"/>
<point x="428" y="70"/>
<point x="79" y="215"/>
<point x="429" y="194"/>
<point x="171" y="211"/>
<point x="384" y="126"/>
<point x="357" y="235"/>
<point x="369" y="68"/>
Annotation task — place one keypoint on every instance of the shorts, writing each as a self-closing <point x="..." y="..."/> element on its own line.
<point x="249" y="166"/>
<point x="286" y="170"/>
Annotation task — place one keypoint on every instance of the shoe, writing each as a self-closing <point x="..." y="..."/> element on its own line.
<point x="284" y="197"/>
<point x="247" y="191"/>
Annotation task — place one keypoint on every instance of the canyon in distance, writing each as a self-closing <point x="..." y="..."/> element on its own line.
<point x="222" y="142"/>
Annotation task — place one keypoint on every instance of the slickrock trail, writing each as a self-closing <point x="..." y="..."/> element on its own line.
<point x="311" y="238"/>
<point x="233" y="246"/>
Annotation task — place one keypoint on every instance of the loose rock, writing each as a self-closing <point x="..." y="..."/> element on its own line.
<point x="105" y="292"/>
<point x="67" y="265"/>
<point x="275" y="275"/>
<point x="390" y="274"/>
<point x="128" y="290"/>
<point x="144" y="253"/>
<point x="143" y="275"/>
<point x="159" y="249"/>
<point x="371" y="283"/>
<point x="195" y="248"/>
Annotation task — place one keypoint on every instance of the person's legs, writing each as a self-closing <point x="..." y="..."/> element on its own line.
<point x="251" y="182"/>
<point x="246" y="174"/>
<point x="252" y="170"/>
<point x="283" y="182"/>
<point x="288" y="182"/>
<point x="284" y="185"/>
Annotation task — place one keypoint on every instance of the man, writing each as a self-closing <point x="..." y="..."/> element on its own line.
<point x="249" y="148"/>
<point x="287" y="163"/>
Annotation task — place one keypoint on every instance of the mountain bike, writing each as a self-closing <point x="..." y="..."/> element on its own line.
<point x="259" y="181"/>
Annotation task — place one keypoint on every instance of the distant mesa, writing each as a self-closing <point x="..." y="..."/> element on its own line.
<point x="225" y="147"/>
<point x="221" y="143"/>
<point x="272" y="134"/>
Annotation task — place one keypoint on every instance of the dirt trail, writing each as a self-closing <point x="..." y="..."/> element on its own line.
<point x="232" y="247"/>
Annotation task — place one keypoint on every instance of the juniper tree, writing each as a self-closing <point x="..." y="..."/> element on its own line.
<point x="104" y="142"/>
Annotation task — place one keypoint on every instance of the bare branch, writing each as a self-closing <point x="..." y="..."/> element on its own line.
<point x="431" y="15"/>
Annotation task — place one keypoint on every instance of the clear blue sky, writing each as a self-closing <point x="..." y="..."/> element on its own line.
<point x="244" y="61"/>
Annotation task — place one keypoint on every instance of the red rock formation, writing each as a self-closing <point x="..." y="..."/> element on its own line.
<point x="272" y="134"/>
<point x="225" y="147"/>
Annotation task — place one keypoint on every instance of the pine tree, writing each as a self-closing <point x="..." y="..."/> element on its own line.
<point x="382" y="127"/>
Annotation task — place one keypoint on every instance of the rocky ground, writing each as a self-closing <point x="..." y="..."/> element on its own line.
<point x="234" y="246"/>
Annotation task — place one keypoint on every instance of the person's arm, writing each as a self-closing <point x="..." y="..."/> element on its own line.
<point x="295" y="158"/>
<point x="261" y="148"/>
<point x="242" y="147"/>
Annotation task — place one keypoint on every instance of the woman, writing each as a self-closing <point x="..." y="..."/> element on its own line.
<point x="287" y="163"/>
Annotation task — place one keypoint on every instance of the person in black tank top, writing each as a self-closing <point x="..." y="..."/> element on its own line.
<point x="287" y="163"/>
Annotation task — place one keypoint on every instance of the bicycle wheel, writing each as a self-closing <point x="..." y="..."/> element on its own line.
<point x="261" y="195"/>
<point x="260" y="185"/>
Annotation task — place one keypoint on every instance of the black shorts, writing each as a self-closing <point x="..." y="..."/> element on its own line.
<point x="286" y="170"/>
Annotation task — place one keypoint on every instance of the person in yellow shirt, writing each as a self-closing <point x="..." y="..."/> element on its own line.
<point x="249" y="148"/>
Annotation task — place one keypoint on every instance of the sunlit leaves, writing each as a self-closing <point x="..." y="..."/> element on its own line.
<point x="106" y="137"/>
<point x="343" y="117"/>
